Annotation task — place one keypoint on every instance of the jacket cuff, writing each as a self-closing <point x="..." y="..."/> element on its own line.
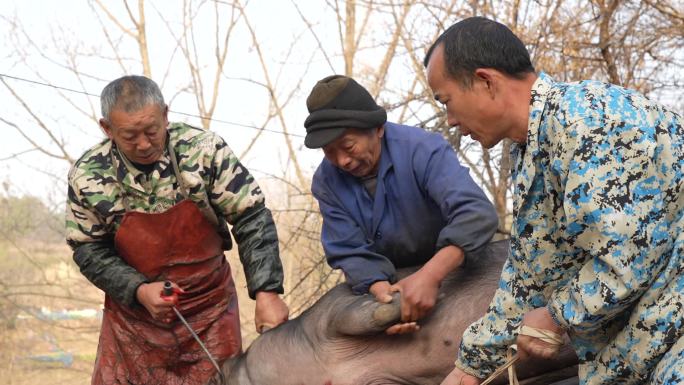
<point x="264" y="273"/>
<point x="275" y="287"/>
<point x="467" y="369"/>
<point x="361" y="287"/>
<point x="129" y="297"/>
<point x="479" y="230"/>
<point x="555" y="308"/>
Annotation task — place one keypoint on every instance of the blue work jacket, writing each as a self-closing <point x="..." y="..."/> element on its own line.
<point x="424" y="200"/>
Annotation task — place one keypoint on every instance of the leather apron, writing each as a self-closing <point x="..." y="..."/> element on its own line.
<point x="183" y="246"/>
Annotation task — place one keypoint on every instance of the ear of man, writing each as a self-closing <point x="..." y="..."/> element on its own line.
<point x="104" y="124"/>
<point x="491" y="80"/>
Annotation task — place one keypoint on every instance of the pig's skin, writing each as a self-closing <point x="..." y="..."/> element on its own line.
<point x="340" y="339"/>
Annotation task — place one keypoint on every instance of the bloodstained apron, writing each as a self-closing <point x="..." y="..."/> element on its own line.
<point x="180" y="245"/>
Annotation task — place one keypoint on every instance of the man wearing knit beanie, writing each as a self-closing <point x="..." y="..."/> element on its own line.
<point x="336" y="103"/>
<point x="391" y="196"/>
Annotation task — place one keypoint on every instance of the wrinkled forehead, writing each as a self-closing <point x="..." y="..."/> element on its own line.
<point x="149" y="114"/>
<point x="135" y="104"/>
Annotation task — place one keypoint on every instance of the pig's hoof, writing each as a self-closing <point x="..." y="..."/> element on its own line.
<point x="386" y="314"/>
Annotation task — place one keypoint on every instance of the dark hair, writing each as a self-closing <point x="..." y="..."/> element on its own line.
<point x="131" y="93"/>
<point x="477" y="42"/>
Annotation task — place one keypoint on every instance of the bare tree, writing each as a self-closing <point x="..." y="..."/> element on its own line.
<point x="630" y="43"/>
<point x="189" y="47"/>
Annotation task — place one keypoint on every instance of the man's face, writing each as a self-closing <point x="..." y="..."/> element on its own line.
<point x="140" y="135"/>
<point x="357" y="151"/>
<point x="475" y="111"/>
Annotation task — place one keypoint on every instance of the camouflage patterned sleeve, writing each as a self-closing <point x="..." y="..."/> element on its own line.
<point x="621" y="211"/>
<point x="82" y="222"/>
<point x="94" y="251"/>
<point x="237" y="196"/>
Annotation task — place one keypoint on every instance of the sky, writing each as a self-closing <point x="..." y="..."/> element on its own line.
<point x="42" y="38"/>
<point x="51" y="33"/>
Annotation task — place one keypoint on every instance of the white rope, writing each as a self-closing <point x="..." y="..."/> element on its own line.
<point x="512" y="356"/>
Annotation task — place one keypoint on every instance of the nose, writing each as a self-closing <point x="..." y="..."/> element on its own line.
<point x="143" y="143"/>
<point x="451" y="119"/>
<point x="342" y="159"/>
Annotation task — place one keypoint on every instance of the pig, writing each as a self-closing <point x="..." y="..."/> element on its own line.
<point x="340" y="340"/>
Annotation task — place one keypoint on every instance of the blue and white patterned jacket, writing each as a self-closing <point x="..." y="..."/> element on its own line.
<point x="597" y="233"/>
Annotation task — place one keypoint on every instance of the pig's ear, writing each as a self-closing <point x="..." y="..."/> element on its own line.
<point x="366" y="316"/>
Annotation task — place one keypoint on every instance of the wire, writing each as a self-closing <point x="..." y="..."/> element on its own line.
<point x="172" y="111"/>
<point x="239" y="124"/>
<point x="46" y="84"/>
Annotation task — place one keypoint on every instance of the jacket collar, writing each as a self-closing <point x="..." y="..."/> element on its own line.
<point x="385" y="166"/>
<point x="524" y="155"/>
<point x="377" y="202"/>
<point x="130" y="176"/>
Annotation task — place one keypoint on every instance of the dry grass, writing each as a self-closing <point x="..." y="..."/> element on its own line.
<point x="37" y="275"/>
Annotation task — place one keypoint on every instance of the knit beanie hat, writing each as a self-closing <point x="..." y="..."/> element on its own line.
<point x="335" y="104"/>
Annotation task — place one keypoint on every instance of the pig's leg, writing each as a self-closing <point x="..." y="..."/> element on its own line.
<point x="366" y="316"/>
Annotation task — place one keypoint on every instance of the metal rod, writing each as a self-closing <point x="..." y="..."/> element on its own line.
<point x="167" y="292"/>
<point x="206" y="351"/>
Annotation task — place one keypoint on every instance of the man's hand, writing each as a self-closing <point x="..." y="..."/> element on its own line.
<point x="382" y="293"/>
<point x="459" y="377"/>
<point x="418" y="295"/>
<point x="270" y="311"/>
<point x="150" y="296"/>
<point x="419" y="290"/>
<point x="530" y="346"/>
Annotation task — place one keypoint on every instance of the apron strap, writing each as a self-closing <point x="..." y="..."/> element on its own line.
<point x="206" y="210"/>
<point x="176" y="170"/>
<point x="124" y="200"/>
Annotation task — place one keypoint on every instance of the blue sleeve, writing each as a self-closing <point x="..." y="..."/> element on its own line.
<point x="346" y="246"/>
<point x="471" y="217"/>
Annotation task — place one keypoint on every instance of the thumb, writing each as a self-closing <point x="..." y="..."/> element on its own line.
<point x="383" y="297"/>
<point x="264" y="327"/>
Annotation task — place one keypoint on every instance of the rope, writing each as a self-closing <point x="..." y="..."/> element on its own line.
<point x="512" y="356"/>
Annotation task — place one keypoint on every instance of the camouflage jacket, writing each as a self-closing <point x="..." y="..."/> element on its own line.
<point x="216" y="181"/>
<point x="597" y="234"/>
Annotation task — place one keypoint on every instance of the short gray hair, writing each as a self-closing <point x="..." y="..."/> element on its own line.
<point x="130" y="93"/>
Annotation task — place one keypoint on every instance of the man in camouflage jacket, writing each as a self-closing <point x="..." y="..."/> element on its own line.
<point x="133" y="171"/>
<point x="597" y="239"/>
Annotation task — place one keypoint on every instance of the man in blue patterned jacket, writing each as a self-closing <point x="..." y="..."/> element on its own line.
<point x="391" y="196"/>
<point x="597" y="248"/>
